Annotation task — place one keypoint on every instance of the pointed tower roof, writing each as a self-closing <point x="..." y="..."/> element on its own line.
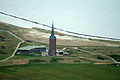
<point x="52" y="32"/>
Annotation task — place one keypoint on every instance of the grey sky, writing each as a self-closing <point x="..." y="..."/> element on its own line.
<point x="96" y="17"/>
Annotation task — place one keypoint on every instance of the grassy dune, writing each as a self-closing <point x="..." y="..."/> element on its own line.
<point x="93" y="50"/>
<point x="38" y="35"/>
<point x="8" y="44"/>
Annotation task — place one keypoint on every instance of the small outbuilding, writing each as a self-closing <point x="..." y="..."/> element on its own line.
<point x="66" y="54"/>
<point x="63" y="53"/>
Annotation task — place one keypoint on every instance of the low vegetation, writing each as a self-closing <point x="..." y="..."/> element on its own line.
<point x="37" y="67"/>
<point x="37" y="61"/>
<point x="53" y="59"/>
<point x="48" y="31"/>
<point x="59" y="72"/>
<point x="8" y="44"/>
<point x="116" y="57"/>
<point x="107" y="50"/>
<point x="38" y="35"/>
<point x="100" y="57"/>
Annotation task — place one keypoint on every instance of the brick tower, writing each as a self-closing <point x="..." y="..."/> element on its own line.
<point x="52" y="43"/>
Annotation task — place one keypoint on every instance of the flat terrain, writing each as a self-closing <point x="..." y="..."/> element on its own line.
<point x="59" y="72"/>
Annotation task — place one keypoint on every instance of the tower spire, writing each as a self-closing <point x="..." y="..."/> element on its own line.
<point x="52" y="43"/>
<point x="52" y="32"/>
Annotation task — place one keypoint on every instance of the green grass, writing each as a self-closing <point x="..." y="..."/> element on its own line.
<point x="59" y="72"/>
<point x="103" y="49"/>
<point x="8" y="27"/>
<point x="8" y="44"/>
<point x="116" y="57"/>
<point x="97" y="54"/>
<point x="108" y="41"/>
<point x="55" y="59"/>
<point x="52" y="71"/>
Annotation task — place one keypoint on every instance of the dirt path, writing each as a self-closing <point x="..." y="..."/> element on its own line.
<point x="13" y="53"/>
<point x="92" y="53"/>
<point x="22" y="41"/>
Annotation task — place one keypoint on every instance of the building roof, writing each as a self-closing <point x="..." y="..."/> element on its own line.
<point x="61" y="51"/>
<point x="31" y="47"/>
<point x="52" y="33"/>
<point x="52" y="37"/>
<point x="65" y="53"/>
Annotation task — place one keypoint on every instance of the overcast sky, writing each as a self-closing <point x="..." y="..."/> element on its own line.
<point x="95" y="17"/>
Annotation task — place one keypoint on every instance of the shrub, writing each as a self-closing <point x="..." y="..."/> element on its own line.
<point x="116" y="57"/>
<point x="2" y="38"/>
<point x="29" y="41"/>
<point x="3" y="47"/>
<point x="99" y="57"/>
<point x="55" y="59"/>
<point x="36" y="61"/>
<point x="1" y="52"/>
<point x="77" y="61"/>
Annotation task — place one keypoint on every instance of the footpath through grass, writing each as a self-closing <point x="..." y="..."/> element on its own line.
<point x="8" y="43"/>
<point x="59" y="72"/>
